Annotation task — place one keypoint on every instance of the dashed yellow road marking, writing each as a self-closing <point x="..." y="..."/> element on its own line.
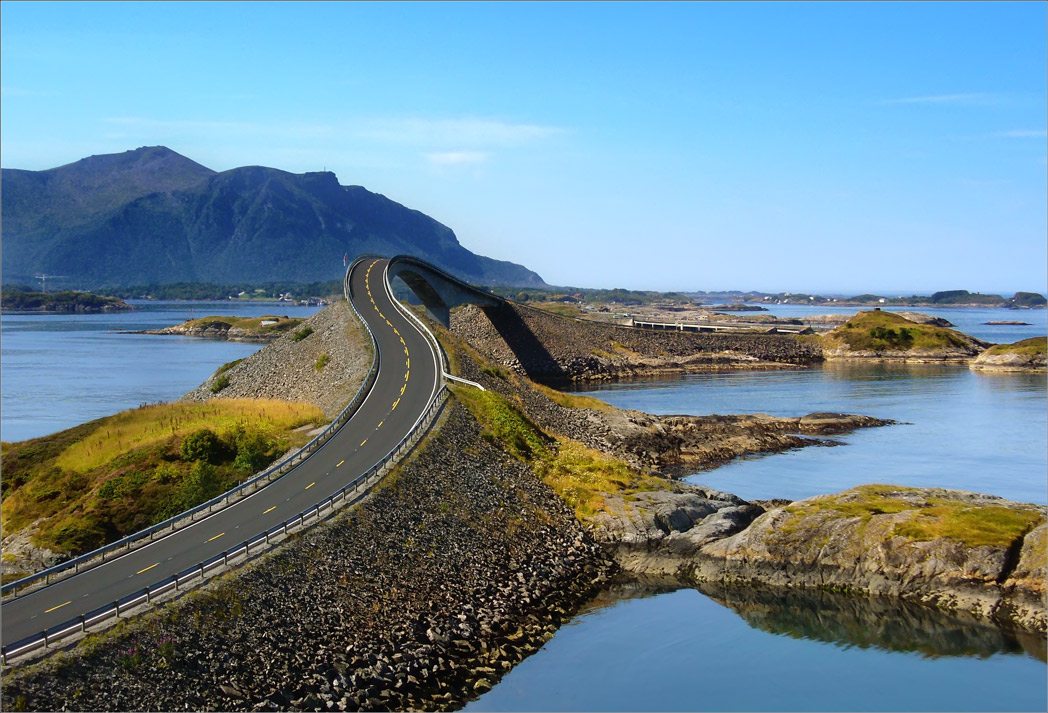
<point x="379" y="425"/>
<point x="403" y="342"/>
<point x="339" y="463"/>
<point x="270" y="510"/>
<point x="406" y="375"/>
<point x="395" y="405"/>
<point x="406" y="352"/>
<point x="397" y="333"/>
<point x="402" y="388"/>
<point x="147" y="568"/>
<point x="363" y="442"/>
<point x="48" y="611"/>
<point x="389" y="323"/>
<point x="311" y="485"/>
<point x="409" y="363"/>
<point x="215" y="537"/>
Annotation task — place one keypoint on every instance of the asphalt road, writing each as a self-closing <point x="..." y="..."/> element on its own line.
<point x="407" y="380"/>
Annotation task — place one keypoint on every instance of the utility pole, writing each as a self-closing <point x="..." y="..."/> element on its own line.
<point x="44" y="278"/>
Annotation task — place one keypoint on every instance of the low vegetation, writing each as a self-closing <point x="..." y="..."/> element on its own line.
<point x="581" y="476"/>
<point x="322" y="361"/>
<point x="102" y="480"/>
<point x="878" y="331"/>
<point x="65" y="301"/>
<point x="932" y="517"/>
<point x="268" y="324"/>
<point x="1027" y="347"/>
<point x="301" y="334"/>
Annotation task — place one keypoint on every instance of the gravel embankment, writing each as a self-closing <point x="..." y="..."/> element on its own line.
<point x="551" y="348"/>
<point x="421" y="598"/>
<point x="286" y="368"/>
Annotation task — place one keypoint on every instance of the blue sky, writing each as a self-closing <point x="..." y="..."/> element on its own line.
<point x="836" y="148"/>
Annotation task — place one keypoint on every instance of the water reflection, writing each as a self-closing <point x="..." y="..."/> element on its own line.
<point x="864" y="622"/>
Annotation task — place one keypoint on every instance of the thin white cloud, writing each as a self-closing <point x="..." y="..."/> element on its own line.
<point x="1022" y="134"/>
<point x="144" y="125"/>
<point x="457" y="158"/>
<point x="971" y="98"/>
<point x="456" y="132"/>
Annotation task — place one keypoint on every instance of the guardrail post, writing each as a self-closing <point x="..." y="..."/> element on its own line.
<point x="201" y="571"/>
<point x="149" y="595"/>
<point x="46" y="642"/>
<point x="117" y="605"/>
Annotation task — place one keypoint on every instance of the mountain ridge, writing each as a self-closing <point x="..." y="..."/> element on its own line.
<point x="151" y="215"/>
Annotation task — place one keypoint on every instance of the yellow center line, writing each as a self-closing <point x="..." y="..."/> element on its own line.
<point x="402" y="389"/>
<point x="147" y="568"/>
<point x="215" y="537"/>
<point x="403" y="342"/>
<point x="396" y="332"/>
<point x="340" y="463"/>
<point x="395" y="405"/>
<point x="48" y="611"/>
<point x="266" y="512"/>
<point x="406" y="375"/>
<point x="311" y="485"/>
<point x="379" y="425"/>
<point x="406" y="352"/>
<point x="363" y="442"/>
<point x="408" y="364"/>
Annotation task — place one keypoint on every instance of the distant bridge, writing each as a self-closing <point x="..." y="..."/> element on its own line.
<point x="723" y="327"/>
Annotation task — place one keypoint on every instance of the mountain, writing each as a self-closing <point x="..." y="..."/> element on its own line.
<point x="152" y="216"/>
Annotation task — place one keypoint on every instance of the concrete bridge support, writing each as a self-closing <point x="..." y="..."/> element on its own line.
<point x="438" y="290"/>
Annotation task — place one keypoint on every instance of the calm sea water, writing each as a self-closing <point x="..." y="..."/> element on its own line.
<point x="643" y="648"/>
<point x="58" y="371"/>
<point x="652" y="647"/>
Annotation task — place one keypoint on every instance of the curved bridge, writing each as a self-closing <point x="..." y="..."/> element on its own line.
<point x="438" y="290"/>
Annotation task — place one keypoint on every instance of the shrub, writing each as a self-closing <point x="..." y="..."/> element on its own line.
<point x="202" y="445"/>
<point x="220" y="383"/>
<point x="322" y="361"/>
<point x="300" y="334"/>
<point x="227" y="366"/>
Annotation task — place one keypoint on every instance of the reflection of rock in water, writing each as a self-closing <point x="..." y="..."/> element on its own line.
<point x="893" y="625"/>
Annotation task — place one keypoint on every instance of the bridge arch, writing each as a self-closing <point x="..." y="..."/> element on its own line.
<point x="438" y="291"/>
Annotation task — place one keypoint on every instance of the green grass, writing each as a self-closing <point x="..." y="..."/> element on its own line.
<point x="322" y="361"/>
<point x="933" y="518"/>
<point x="301" y="334"/>
<point x="574" y="400"/>
<point x="221" y="382"/>
<point x="95" y="483"/>
<point x="885" y="331"/>
<point x="581" y="476"/>
<point x="252" y="324"/>
<point x="1027" y="347"/>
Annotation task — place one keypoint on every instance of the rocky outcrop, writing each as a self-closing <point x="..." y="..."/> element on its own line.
<point x="550" y="348"/>
<point x="229" y="328"/>
<point x="954" y="550"/>
<point x="1026" y="355"/>
<point x="287" y="368"/>
<point x="891" y="337"/>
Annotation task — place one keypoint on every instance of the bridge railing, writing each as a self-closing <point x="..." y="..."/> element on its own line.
<point x="252" y="547"/>
<point x="173" y="524"/>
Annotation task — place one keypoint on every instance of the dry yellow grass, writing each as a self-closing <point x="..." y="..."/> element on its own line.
<point x="149" y="425"/>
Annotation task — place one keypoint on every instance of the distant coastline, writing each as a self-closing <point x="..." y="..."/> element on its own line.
<point x="66" y="302"/>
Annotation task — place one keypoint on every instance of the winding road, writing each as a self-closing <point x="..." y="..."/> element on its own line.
<point x="408" y="379"/>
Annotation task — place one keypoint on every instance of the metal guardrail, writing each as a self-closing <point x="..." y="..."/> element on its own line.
<point x="445" y="364"/>
<point x="348" y="495"/>
<point x="173" y="524"/>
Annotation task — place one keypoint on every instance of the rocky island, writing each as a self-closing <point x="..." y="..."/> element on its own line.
<point x="887" y="336"/>
<point x="1025" y="355"/>
<point x="69" y="301"/>
<point x="237" y="329"/>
